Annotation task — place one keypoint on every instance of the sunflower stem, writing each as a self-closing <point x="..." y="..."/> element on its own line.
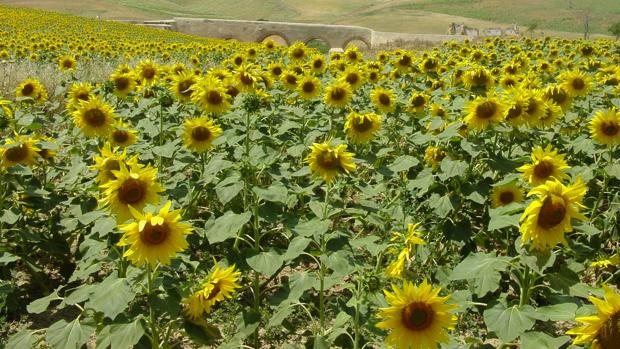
<point x="323" y="250"/>
<point x="152" y="320"/>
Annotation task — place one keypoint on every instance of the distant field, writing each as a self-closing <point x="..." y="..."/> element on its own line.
<point x="418" y="16"/>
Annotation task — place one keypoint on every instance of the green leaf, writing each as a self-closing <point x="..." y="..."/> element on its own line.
<point x="312" y="227"/>
<point x="484" y="269"/>
<point x="452" y="168"/>
<point x="320" y="342"/>
<point x="226" y="226"/>
<point x="299" y="283"/>
<point x="539" y="340"/>
<point x="40" y="305"/>
<point x="111" y="297"/>
<point x="340" y="262"/>
<point x="283" y="311"/>
<point x="80" y="294"/>
<point x="296" y="247"/>
<point x="90" y="217"/>
<point x="68" y="335"/>
<point x="441" y="205"/>
<point x="9" y="216"/>
<point x="558" y="312"/>
<point x="205" y="334"/>
<point x="226" y="193"/>
<point x="125" y="336"/>
<point x="266" y="263"/>
<point x="422" y="182"/>
<point x="6" y="258"/>
<point x="613" y="170"/>
<point x="509" y="323"/>
<point x="498" y="222"/>
<point x="166" y="150"/>
<point x="21" y="340"/>
<point x="403" y="163"/>
<point x="275" y="193"/>
<point x="104" y="226"/>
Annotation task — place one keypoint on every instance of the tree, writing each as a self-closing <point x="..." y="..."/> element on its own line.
<point x="615" y="29"/>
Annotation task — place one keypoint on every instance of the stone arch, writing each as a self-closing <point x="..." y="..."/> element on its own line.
<point x="317" y="42"/>
<point x="280" y="35"/>
<point x="317" y="38"/>
<point x="358" y="38"/>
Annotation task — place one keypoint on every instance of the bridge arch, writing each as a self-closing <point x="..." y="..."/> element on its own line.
<point x="269" y="35"/>
<point x="357" y="38"/>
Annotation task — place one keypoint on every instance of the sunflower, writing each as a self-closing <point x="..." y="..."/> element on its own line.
<point x="5" y="106"/>
<point x="211" y="95"/>
<point x="354" y="75"/>
<point x="605" y="127"/>
<point x="328" y="161"/>
<point x="317" y="64"/>
<point x="576" y="83"/>
<point x="21" y="150"/>
<point x="134" y="186"/>
<point x="483" y="112"/>
<point x="289" y="79"/>
<point x="275" y="69"/>
<point x="338" y="94"/>
<point x="546" y="163"/>
<point x="438" y="110"/>
<point x="607" y="262"/>
<point x="478" y="77"/>
<point x="219" y="73"/>
<point x="121" y="135"/>
<point x="417" y="316"/>
<point x="551" y="115"/>
<point x="123" y="83"/>
<point x="361" y="128"/>
<point x="516" y="101"/>
<point x="110" y="160"/>
<point x="559" y="95"/>
<point x="309" y="87"/>
<point x="154" y="238"/>
<point x="417" y="102"/>
<point x="535" y="107"/>
<point x="506" y="194"/>
<point x="78" y="92"/>
<point x="66" y="63"/>
<point x="219" y="285"/>
<point x="182" y="85"/>
<point x="429" y="64"/>
<point x="147" y="72"/>
<point x="603" y="329"/>
<point x="199" y="133"/>
<point x="94" y="117"/>
<point x="404" y="62"/>
<point x="433" y="156"/>
<point x="384" y="100"/>
<point x="546" y="219"/>
<point x="32" y="88"/>
<point x="404" y="245"/>
<point x="246" y="77"/>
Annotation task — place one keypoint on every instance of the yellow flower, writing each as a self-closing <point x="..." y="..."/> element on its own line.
<point x="516" y="101"/>
<point x="483" y="112"/>
<point x="552" y="112"/>
<point x="123" y="82"/>
<point x="417" y="102"/>
<point x="66" y="63"/>
<point x="110" y="161"/>
<point x="604" y="263"/>
<point x="78" y="92"/>
<point x="605" y="127"/>
<point x="478" y="77"/>
<point x="31" y="88"/>
<point x="328" y="161"/>
<point x="308" y="87"/>
<point x="406" y="244"/>
<point x="147" y="72"/>
<point x="134" y="186"/>
<point x="338" y="94"/>
<point x="361" y="128"/>
<point x="199" y="133"/>
<point x="121" y="135"/>
<point x="6" y="107"/>
<point x="94" y="117"/>
<point x="210" y="95"/>
<point x="219" y="285"/>
<point x="603" y="329"/>
<point x="506" y="194"/>
<point x="559" y="95"/>
<point x="546" y="219"/>
<point x="154" y="238"/>
<point x="576" y="83"/>
<point x="417" y="317"/>
<point x="433" y="156"/>
<point x="297" y="51"/>
<point x="354" y="76"/>
<point x="546" y="163"/>
<point x="384" y="99"/>
<point x="21" y="150"/>
<point x="182" y="85"/>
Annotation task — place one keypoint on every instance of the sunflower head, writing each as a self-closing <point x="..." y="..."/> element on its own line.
<point x="219" y="285"/>
<point x="546" y="164"/>
<point x="506" y="194"/>
<point x="361" y="128"/>
<point x="182" y="85"/>
<point x="383" y="99"/>
<point x="602" y="330"/>
<point x="211" y="95"/>
<point x="199" y="133"/>
<point x="153" y="238"/>
<point x="338" y="94"/>
<point x="559" y="95"/>
<point x="66" y="63"/>
<point x="121" y="135"/>
<point x="576" y="83"/>
<point x="21" y="150"/>
<point x="484" y="112"/>
<point x="123" y="82"/>
<point x="328" y="161"/>
<point x="605" y="127"/>
<point x="32" y="88"/>
<point x="94" y="117"/>
<point x="418" y="101"/>
<point x="309" y="87"/>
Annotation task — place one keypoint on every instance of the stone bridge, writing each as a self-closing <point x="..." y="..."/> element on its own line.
<point x="336" y="36"/>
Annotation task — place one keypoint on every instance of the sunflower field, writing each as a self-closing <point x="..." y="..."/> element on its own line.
<point x="159" y="190"/>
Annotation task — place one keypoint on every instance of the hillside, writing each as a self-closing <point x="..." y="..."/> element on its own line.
<point x="419" y="16"/>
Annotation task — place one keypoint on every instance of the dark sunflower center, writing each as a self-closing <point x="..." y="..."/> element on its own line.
<point x="327" y="160"/>
<point x="308" y="87"/>
<point x="318" y="64"/>
<point x="418" y="101"/>
<point x="506" y="197"/>
<point x="214" y="292"/>
<point x="578" y="83"/>
<point x="17" y="153"/>
<point x="373" y="75"/>
<point x="201" y="134"/>
<point x="184" y="87"/>
<point x="610" y="128"/>
<point x="558" y="96"/>
<point x="479" y="78"/>
<point x="94" y="117"/>
<point x="154" y="234"/>
<point x="352" y="78"/>
<point x="543" y="169"/>
<point x="232" y="91"/>
<point x="338" y="94"/>
<point x="27" y="90"/>
<point x="214" y="98"/>
<point x="121" y="83"/>
<point x="609" y="334"/>
<point x="120" y="136"/>
<point x="352" y="56"/>
<point x="404" y="61"/>
<point x="384" y="99"/>
<point x="246" y="79"/>
<point x="486" y="110"/>
<point x="238" y="60"/>
<point x="429" y="64"/>
<point x="67" y="63"/>
<point x="532" y="107"/>
<point x="83" y="96"/>
<point x="298" y="53"/>
<point x="131" y="191"/>
<point x="111" y="165"/>
<point x="552" y="212"/>
<point x="514" y="112"/>
<point x="291" y="79"/>
<point x="276" y="71"/>
<point x="509" y="82"/>
<point x="417" y="316"/>
<point x="148" y="73"/>
<point x="362" y="125"/>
